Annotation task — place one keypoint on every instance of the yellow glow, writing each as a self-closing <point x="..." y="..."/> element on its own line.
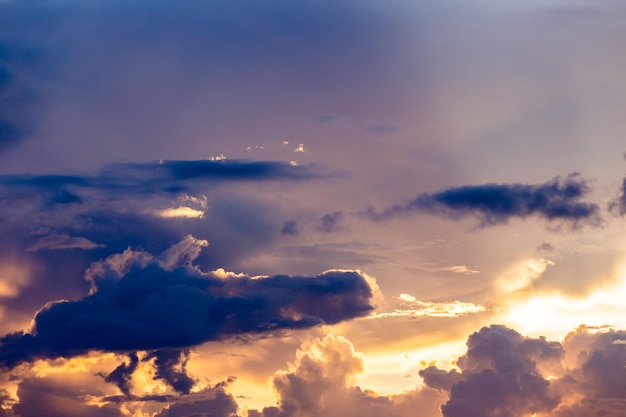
<point x="553" y="315"/>
<point x="77" y="365"/>
<point x="392" y="373"/>
<point x="12" y="278"/>
<point x="180" y="212"/>
<point x="522" y="275"/>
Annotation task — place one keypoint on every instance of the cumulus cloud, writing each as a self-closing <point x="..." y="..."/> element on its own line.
<point x="506" y="374"/>
<point x="491" y="204"/>
<point x="210" y="402"/>
<point x="499" y="376"/>
<point x="320" y="380"/>
<point x="142" y="302"/>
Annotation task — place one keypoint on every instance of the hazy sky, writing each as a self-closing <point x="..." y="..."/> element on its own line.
<point x="278" y="208"/>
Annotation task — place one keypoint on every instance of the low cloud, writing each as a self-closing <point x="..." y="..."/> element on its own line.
<point x="319" y="382"/>
<point x="498" y="376"/>
<point x="212" y="401"/>
<point x="492" y="204"/>
<point x="142" y="302"/>
<point x="506" y="374"/>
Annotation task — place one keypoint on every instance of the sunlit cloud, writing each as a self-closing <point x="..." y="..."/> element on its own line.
<point x="416" y="308"/>
<point x="180" y="212"/>
<point x="554" y="314"/>
<point x="63" y="241"/>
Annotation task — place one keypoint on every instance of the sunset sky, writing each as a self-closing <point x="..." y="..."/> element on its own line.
<point x="312" y="208"/>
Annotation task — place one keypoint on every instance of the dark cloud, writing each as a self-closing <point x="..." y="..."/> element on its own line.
<point x="492" y="204"/>
<point x="290" y="228"/>
<point x="499" y="376"/>
<point x="331" y="221"/>
<point x="121" y="376"/>
<point x="139" y="302"/>
<point x="40" y="397"/>
<point x="171" y="367"/>
<point x="153" y="178"/>
<point x="210" y="402"/>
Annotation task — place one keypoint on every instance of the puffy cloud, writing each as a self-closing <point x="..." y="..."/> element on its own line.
<point x="596" y="374"/>
<point x="139" y="302"/>
<point x="493" y="204"/>
<point x="506" y="374"/>
<point x="210" y="402"/>
<point x="499" y="376"/>
<point x="319" y="383"/>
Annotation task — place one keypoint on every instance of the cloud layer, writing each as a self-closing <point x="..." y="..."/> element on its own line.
<point x="139" y="302"/>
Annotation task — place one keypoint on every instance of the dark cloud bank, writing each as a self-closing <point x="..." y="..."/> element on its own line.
<point x="491" y="204"/>
<point x="142" y="302"/>
<point x="174" y="176"/>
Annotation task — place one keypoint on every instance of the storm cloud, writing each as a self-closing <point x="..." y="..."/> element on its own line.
<point x="142" y="302"/>
<point x="491" y="204"/>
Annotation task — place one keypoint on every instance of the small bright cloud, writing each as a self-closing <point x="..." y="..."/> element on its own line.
<point x="300" y="148"/>
<point x="412" y="307"/>
<point x="182" y="211"/>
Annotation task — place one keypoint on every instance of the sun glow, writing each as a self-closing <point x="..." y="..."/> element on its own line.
<point x="553" y="315"/>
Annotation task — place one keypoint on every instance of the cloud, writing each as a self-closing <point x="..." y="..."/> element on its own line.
<point x="62" y="241"/>
<point x="46" y="397"/>
<point x="167" y="363"/>
<point x="210" y="402"/>
<point x="142" y="302"/>
<point x="619" y="203"/>
<point x="412" y="307"/>
<point x="493" y="204"/>
<point x="290" y="228"/>
<point x="319" y="383"/>
<point x="506" y="374"/>
<point x="330" y="222"/>
<point x="121" y="376"/>
<point x="498" y="376"/>
<point x="173" y="176"/>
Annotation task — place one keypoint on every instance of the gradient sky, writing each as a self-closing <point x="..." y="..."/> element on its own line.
<point x="312" y="208"/>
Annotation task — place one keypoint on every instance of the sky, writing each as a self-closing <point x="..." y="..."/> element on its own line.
<point x="312" y="208"/>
